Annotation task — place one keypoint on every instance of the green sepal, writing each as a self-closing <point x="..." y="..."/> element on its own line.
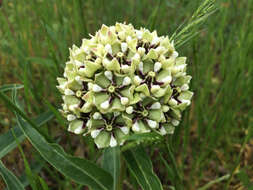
<point x="112" y="65"/>
<point x="152" y="54"/>
<point x="143" y="88"/>
<point x="116" y="106"/>
<point x="103" y="139"/>
<point x="128" y="92"/>
<point x="156" y="115"/>
<point x="101" y="80"/>
<point x="148" y="65"/>
<point x="71" y="100"/>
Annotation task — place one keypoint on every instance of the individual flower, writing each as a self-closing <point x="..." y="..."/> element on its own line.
<point x="123" y="81"/>
<point x="108" y="129"/>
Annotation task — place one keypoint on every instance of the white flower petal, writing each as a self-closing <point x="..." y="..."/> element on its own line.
<point x="78" y="78"/>
<point x="123" y="47"/>
<point x="125" y="130"/>
<point x="155" y="88"/>
<point x="113" y="141"/>
<point x="141" y="67"/>
<point x="163" y="131"/>
<point x="136" y="127"/>
<point x="79" y="130"/>
<point x="108" y="48"/>
<point x="155" y="40"/>
<point x="188" y="102"/>
<point x="137" y="79"/>
<point x="185" y="87"/>
<point x="97" y="115"/>
<point x="156" y="106"/>
<point x="136" y="57"/>
<point x="73" y="107"/>
<point x="151" y="123"/>
<point x="157" y="66"/>
<point x="108" y="74"/>
<point x="173" y="102"/>
<point x="124" y="100"/>
<point x="68" y="92"/>
<point x="128" y="39"/>
<point x="174" y="54"/>
<point x="82" y="69"/>
<point x="95" y="133"/>
<point x="130" y="109"/>
<point x="126" y="81"/>
<point x="105" y="104"/>
<point x="167" y="79"/>
<point x="71" y="117"/>
<point x="175" y="122"/>
<point x="139" y="34"/>
<point x="125" y="67"/>
<point x="141" y="50"/>
<point x="96" y="88"/>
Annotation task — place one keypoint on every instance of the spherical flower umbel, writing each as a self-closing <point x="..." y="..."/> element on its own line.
<point x="124" y="81"/>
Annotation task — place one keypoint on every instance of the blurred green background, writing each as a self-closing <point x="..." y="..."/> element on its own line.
<point x="214" y="138"/>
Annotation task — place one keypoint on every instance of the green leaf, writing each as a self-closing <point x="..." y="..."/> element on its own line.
<point x="43" y="184"/>
<point x="79" y="170"/>
<point x="111" y="163"/>
<point x="141" y="167"/>
<point x="30" y="175"/>
<point x="143" y="137"/>
<point x="11" y="180"/>
<point x="7" y="87"/>
<point x="7" y="141"/>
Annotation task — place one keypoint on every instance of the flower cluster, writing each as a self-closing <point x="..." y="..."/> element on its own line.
<point x="124" y="81"/>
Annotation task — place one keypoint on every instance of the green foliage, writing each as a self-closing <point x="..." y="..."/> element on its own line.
<point x="7" y="140"/>
<point x="34" y="41"/>
<point x="111" y="163"/>
<point x="141" y="167"/>
<point x="10" y="179"/>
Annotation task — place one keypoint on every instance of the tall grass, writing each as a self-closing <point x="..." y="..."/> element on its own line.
<point x="213" y="140"/>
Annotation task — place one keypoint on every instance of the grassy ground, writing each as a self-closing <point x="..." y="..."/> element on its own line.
<point x="214" y="140"/>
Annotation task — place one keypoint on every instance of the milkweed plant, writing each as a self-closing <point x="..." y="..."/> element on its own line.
<point x="123" y="81"/>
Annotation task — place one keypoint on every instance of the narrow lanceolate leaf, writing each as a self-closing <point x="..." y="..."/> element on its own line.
<point x="140" y="166"/>
<point x="10" y="179"/>
<point x="79" y="170"/>
<point x="7" y="87"/>
<point x="7" y="141"/>
<point x="111" y="163"/>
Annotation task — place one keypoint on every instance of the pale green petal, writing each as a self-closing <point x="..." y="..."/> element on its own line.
<point x="148" y="65"/>
<point x="144" y="89"/>
<point x="156" y="115"/>
<point x="101" y="80"/>
<point x="103" y="139"/>
<point x="116" y="105"/>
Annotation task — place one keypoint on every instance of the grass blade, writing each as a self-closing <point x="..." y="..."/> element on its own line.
<point x="111" y="163"/>
<point x="43" y="184"/>
<point x="32" y="178"/>
<point x="8" y="87"/>
<point x="10" y="179"/>
<point x="140" y="166"/>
